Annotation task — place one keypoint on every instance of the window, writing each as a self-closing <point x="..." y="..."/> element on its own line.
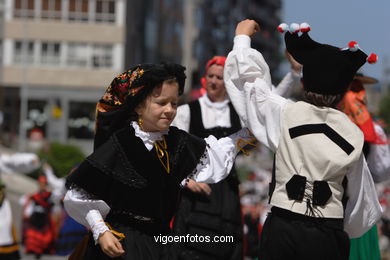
<point x="24" y="8"/>
<point x="81" y="123"/>
<point x="24" y="52"/>
<point x="78" y="10"/>
<point x="51" y="9"/>
<point x="102" y="56"/>
<point x="50" y="53"/>
<point x="77" y="55"/>
<point x="105" y="11"/>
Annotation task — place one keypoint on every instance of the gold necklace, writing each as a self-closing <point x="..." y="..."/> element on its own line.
<point x="161" y="150"/>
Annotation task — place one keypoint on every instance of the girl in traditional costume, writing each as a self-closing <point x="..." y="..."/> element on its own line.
<point x="127" y="190"/>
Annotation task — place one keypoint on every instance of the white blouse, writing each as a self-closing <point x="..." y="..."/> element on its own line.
<point x="18" y="163"/>
<point x="378" y="159"/>
<point x="214" y="166"/>
<point x="217" y="114"/>
<point x="248" y="82"/>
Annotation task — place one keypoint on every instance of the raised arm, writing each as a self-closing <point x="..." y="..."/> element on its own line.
<point x="291" y="79"/>
<point x="248" y="82"/>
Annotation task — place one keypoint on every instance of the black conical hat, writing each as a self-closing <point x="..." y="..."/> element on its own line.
<point x="327" y="69"/>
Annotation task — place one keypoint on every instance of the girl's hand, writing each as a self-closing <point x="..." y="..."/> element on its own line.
<point x="247" y="27"/>
<point x="110" y="245"/>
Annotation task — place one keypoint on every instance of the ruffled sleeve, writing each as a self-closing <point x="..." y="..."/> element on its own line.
<point x="219" y="156"/>
<point x="87" y="210"/>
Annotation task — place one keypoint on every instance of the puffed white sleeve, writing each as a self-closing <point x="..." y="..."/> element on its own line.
<point x="363" y="209"/>
<point x="183" y="117"/>
<point x="378" y="159"/>
<point x="248" y="83"/>
<point x="19" y="163"/>
<point x="219" y="156"/>
<point x="87" y="210"/>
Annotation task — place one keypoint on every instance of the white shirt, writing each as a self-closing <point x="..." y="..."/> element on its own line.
<point x="248" y="82"/>
<point x="378" y="158"/>
<point x="6" y="237"/>
<point x="217" y="114"/>
<point x="215" y="166"/>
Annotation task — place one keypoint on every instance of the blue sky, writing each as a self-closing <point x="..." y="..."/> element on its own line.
<point x="337" y="22"/>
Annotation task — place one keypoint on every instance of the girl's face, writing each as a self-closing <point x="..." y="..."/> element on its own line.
<point x="159" y="109"/>
<point x="214" y="83"/>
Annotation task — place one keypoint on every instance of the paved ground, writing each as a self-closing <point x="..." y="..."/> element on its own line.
<point x="46" y="257"/>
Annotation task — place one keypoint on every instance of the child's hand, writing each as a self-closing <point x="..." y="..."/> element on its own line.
<point x="198" y="187"/>
<point x="295" y="66"/>
<point x="247" y="27"/>
<point x="110" y="245"/>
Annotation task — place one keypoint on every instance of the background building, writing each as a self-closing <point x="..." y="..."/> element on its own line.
<point x="58" y="57"/>
<point x="192" y="31"/>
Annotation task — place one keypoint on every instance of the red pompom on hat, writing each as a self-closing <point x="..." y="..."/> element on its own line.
<point x="283" y="27"/>
<point x="353" y="46"/>
<point x="373" y="58"/>
<point x="327" y="70"/>
<point x="305" y="27"/>
<point x="294" y="28"/>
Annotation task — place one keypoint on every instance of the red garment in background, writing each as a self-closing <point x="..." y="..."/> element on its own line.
<point x="39" y="233"/>
<point x="354" y="105"/>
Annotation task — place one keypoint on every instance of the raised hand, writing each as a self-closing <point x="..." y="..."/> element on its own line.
<point x="247" y="27"/>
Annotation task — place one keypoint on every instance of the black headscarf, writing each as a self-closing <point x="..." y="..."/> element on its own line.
<point x="129" y="89"/>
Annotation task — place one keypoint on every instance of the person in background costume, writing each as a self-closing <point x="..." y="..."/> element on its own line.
<point x="140" y="164"/>
<point x="12" y="164"/>
<point x="70" y="232"/>
<point x="318" y="150"/>
<point x="214" y="209"/>
<point x="40" y="231"/>
<point x="376" y="151"/>
<point x="9" y="248"/>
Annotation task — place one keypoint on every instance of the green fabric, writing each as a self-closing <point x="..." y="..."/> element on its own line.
<point x="365" y="247"/>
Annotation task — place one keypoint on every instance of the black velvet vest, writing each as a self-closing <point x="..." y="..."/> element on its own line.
<point x="131" y="179"/>
<point x="197" y="128"/>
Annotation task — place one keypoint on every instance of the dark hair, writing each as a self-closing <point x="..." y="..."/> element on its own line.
<point x="323" y="100"/>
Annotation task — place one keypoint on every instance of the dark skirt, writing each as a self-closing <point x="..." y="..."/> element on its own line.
<point x="137" y="245"/>
<point x="287" y="235"/>
<point x="216" y="215"/>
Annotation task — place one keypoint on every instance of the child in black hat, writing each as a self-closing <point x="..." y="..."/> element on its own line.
<point x="127" y="190"/>
<point x="319" y="163"/>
